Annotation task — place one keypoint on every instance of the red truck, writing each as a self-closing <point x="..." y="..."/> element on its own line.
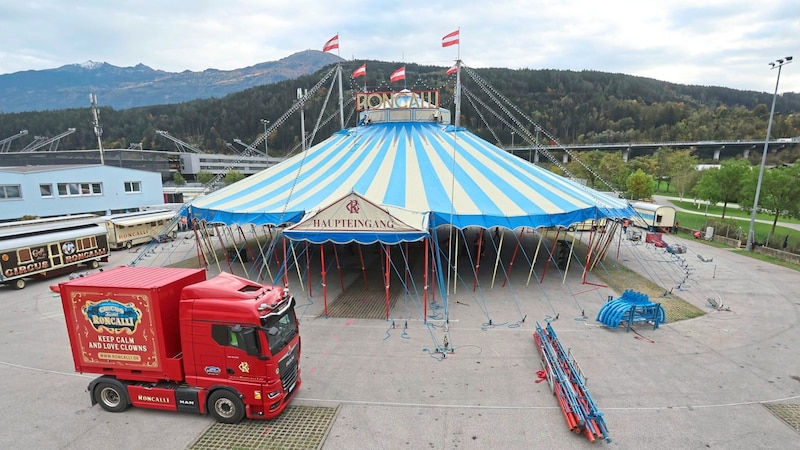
<point x="169" y="339"/>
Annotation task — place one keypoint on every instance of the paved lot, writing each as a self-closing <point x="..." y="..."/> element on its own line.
<point x="699" y="383"/>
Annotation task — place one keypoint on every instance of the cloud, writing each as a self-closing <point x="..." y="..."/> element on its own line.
<point x="716" y="42"/>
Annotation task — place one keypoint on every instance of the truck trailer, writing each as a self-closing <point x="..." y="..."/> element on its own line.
<point x="170" y="339"/>
<point x="44" y="248"/>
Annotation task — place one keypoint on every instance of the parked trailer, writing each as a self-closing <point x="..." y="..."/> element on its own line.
<point x="589" y="225"/>
<point x="129" y="229"/>
<point x="653" y="217"/>
<point x="49" y="247"/>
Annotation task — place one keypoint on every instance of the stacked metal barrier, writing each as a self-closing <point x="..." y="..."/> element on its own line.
<point x="569" y="386"/>
<point x="632" y="307"/>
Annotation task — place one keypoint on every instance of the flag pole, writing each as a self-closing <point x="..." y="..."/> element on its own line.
<point x="457" y="120"/>
<point x="341" y="93"/>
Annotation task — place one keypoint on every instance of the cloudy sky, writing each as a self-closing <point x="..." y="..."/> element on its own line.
<point x="710" y="42"/>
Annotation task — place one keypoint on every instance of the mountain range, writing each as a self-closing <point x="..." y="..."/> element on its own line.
<point x="69" y="86"/>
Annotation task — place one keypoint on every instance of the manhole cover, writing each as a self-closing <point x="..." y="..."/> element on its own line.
<point x="298" y="427"/>
<point x="788" y="413"/>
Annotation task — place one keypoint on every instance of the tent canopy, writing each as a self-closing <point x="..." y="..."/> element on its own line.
<point x="409" y="160"/>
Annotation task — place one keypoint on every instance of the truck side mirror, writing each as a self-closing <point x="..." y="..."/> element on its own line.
<point x="251" y="342"/>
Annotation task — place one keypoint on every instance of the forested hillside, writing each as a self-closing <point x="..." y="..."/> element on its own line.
<point x="574" y="107"/>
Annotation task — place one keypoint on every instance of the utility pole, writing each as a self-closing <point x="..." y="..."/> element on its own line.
<point x="266" y="149"/>
<point x="98" y="131"/>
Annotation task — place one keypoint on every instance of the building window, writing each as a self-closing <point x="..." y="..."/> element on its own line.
<point x="46" y="190"/>
<point x="79" y="189"/>
<point x="9" y="191"/>
<point x="133" y="186"/>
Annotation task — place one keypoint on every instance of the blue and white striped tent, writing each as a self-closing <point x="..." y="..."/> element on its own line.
<point x="413" y="162"/>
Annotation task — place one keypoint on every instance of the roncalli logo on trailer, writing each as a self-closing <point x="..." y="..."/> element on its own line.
<point x="113" y="316"/>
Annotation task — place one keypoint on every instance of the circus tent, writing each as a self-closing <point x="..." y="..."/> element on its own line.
<point x="413" y="160"/>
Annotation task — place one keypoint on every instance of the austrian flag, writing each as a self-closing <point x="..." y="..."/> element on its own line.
<point x="452" y="70"/>
<point x="450" y="39"/>
<point x="397" y="75"/>
<point x="361" y="71"/>
<point x="332" y="44"/>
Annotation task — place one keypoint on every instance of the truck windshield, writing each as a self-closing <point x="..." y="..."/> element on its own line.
<point x="280" y="329"/>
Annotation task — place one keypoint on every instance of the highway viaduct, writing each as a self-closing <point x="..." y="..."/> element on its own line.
<point x="703" y="149"/>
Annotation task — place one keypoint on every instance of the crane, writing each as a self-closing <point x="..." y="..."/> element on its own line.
<point x="41" y="141"/>
<point x="5" y="144"/>
<point x="183" y="147"/>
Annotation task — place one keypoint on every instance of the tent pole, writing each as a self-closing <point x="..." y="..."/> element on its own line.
<point x="308" y="270"/>
<point x="338" y="266"/>
<point x="513" y="256"/>
<point x="386" y="279"/>
<point x="425" y="284"/>
<point x="222" y="243"/>
<point x="552" y="250"/>
<point x="363" y="269"/>
<point x="285" y="266"/>
<point x="236" y="246"/>
<point x="258" y="245"/>
<point x="588" y="254"/>
<point x="297" y="266"/>
<point x="322" y="269"/>
<point x="497" y="260"/>
<point x="455" y="265"/>
<point x="202" y="261"/>
<point x="478" y="252"/>
<point x="535" y="255"/>
<point x="569" y="259"/>
<point x="263" y="256"/>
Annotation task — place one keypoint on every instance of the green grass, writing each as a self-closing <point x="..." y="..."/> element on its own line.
<point x="731" y="212"/>
<point x="619" y="278"/>
<point x="770" y="259"/>
<point x="699" y="221"/>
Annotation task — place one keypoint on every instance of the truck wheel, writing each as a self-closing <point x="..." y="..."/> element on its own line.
<point x="94" y="264"/>
<point x="225" y="407"/>
<point x="128" y="244"/>
<point x="111" y="398"/>
<point x="19" y="283"/>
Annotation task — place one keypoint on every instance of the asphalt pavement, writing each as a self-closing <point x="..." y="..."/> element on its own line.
<point x="698" y="383"/>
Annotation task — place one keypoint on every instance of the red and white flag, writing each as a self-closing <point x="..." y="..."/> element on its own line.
<point x="397" y="75"/>
<point x="452" y="70"/>
<point x="450" y="39"/>
<point x="361" y="71"/>
<point x="332" y="44"/>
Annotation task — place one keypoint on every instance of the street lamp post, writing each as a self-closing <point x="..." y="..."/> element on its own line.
<point x="266" y="149"/>
<point x="751" y="234"/>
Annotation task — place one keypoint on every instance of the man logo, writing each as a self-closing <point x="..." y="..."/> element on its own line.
<point x="353" y="207"/>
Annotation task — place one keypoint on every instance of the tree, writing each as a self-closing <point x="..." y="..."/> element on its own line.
<point x="205" y="177"/>
<point x="723" y="184"/>
<point x="684" y="171"/>
<point x="663" y="157"/>
<point x="640" y="184"/>
<point x="178" y="179"/>
<point x="612" y="169"/>
<point x="233" y="176"/>
<point x="592" y="160"/>
<point x="780" y="192"/>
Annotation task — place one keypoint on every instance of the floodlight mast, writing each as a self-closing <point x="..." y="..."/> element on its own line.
<point x="779" y="63"/>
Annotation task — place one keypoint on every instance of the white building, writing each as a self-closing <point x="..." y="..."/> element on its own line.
<point x="46" y="191"/>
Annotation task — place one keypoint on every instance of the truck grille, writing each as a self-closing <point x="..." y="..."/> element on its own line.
<point x="288" y="366"/>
